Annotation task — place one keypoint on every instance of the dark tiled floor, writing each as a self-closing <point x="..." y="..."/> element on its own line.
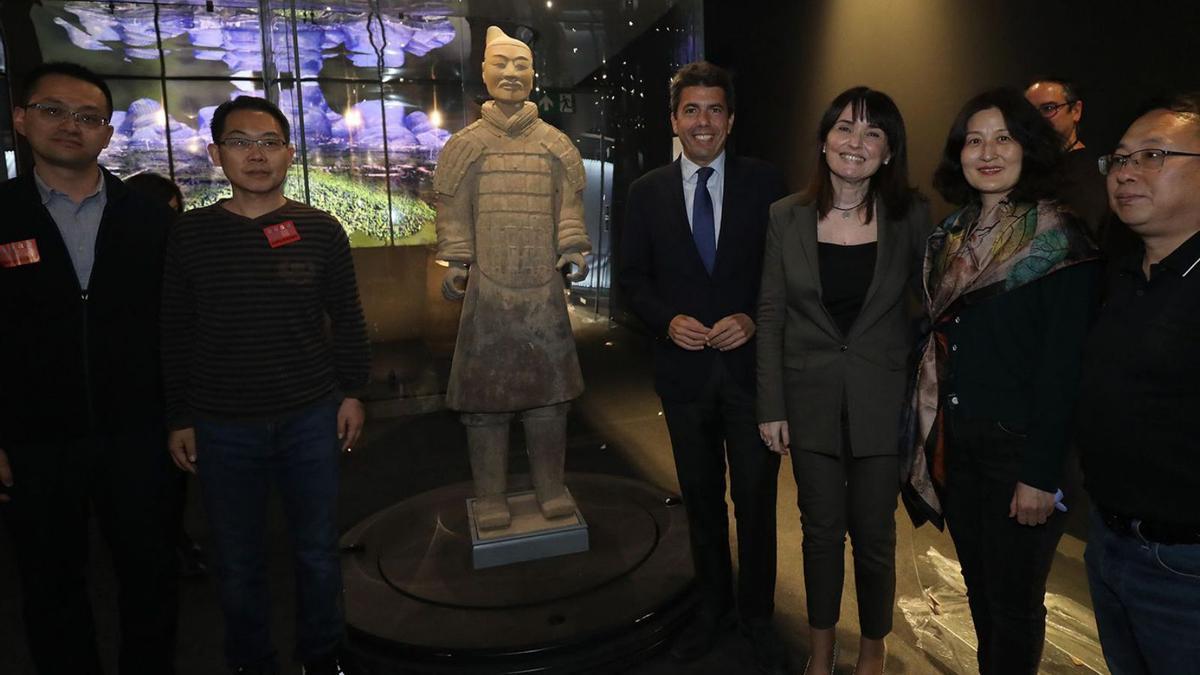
<point x="615" y="428"/>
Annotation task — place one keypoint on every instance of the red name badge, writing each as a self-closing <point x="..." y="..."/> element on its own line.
<point x="281" y="234"/>
<point x="17" y="253"/>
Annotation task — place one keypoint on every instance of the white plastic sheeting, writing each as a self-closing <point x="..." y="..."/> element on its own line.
<point x="941" y="620"/>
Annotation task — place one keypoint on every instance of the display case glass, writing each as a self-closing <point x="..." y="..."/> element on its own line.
<point x="372" y="90"/>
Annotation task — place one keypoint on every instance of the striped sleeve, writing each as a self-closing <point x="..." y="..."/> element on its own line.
<point x="351" y="348"/>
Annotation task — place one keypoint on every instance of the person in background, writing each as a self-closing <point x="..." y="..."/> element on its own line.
<point x="1081" y="187"/>
<point x="158" y="186"/>
<point x="81" y="403"/>
<point x="1010" y="286"/>
<point x="1138" y="423"/>
<point x="189" y="553"/>
<point x="836" y="322"/>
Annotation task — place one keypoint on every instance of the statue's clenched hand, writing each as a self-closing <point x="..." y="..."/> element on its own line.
<point x="576" y="260"/>
<point x="454" y="284"/>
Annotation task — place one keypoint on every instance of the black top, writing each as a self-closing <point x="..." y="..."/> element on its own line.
<point x="1014" y="359"/>
<point x="244" y="324"/>
<point x="1139" y="414"/>
<point x="78" y="363"/>
<point x="846" y="273"/>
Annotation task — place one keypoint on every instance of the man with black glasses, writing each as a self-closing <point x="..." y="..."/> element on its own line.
<point x="1082" y="187"/>
<point x="1138" y="422"/>
<point x="81" y="410"/>
<point x="259" y="393"/>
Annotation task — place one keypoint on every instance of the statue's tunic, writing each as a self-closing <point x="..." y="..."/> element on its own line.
<point x="509" y="204"/>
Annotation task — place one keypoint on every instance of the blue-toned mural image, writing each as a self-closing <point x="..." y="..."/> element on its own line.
<point x="368" y="156"/>
<point x="237" y="41"/>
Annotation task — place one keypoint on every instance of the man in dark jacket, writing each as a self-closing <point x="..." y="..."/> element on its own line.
<point x="691" y="262"/>
<point x="81" y="422"/>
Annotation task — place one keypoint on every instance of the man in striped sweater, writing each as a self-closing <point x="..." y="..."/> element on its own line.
<point x="258" y="390"/>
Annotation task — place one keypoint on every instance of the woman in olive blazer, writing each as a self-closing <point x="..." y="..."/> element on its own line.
<point x="836" y="324"/>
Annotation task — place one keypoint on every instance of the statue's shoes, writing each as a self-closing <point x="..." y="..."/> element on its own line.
<point x="557" y="507"/>
<point x="492" y="512"/>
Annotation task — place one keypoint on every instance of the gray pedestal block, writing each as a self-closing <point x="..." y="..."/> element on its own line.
<point x="530" y="535"/>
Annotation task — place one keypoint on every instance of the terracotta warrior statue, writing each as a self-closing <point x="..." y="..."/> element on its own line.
<point x="510" y="225"/>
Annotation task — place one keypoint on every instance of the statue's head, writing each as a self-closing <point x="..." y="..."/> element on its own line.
<point x="507" y="67"/>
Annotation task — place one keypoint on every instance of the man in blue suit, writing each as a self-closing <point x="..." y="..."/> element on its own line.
<point x="691" y="260"/>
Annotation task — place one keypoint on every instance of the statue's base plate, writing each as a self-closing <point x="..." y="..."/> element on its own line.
<point x="415" y="603"/>
<point x="529" y="536"/>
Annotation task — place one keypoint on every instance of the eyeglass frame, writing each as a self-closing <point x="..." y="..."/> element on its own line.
<point x="1049" y="114"/>
<point x="261" y="143"/>
<point x="48" y="109"/>
<point x="1102" y="162"/>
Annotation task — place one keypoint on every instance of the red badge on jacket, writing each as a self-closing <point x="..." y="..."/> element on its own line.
<point x="281" y="234"/>
<point x="17" y="253"/>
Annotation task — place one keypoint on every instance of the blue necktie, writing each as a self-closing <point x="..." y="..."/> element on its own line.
<point x="704" y="229"/>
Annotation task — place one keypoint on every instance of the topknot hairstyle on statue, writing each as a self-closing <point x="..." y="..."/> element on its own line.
<point x="496" y="36"/>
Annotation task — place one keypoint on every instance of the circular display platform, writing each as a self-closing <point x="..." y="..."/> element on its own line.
<point x="414" y="603"/>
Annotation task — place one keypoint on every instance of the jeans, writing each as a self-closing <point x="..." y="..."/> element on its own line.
<point x="1147" y="602"/>
<point x="1005" y="564"/>
<point x="237" y="462"/>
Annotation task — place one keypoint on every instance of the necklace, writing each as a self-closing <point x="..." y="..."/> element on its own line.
<point x="849" y="209"/>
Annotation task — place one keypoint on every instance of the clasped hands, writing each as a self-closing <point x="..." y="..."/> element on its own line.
<point x="731" y="332"/>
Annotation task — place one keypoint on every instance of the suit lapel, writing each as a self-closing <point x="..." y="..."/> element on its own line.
<point x="731" y="198"/>
<point x="806" y="232"/>
<point x="805" y="217"/>
<point x="885" y="252"/>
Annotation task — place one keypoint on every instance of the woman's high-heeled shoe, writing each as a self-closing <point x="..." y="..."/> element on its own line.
<point x="882" y="670"/>
<point x="832" y="662"/>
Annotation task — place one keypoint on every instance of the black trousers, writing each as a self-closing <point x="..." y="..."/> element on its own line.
<point x="851" y="494"/>
<point x="719" y="426"/>
<point x="1005" y="564"/>
<point x="129" y="481"/>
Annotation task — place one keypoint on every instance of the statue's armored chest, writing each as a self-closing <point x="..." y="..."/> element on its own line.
<point x="515" y="240"/>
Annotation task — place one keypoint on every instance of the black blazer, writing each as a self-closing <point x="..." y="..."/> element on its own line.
<point x="75" y="365"/>
<point x="661" y="274"/>
<point x="808" y="371"/>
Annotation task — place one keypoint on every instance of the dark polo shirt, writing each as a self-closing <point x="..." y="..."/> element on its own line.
<point x="1139" y="412"/>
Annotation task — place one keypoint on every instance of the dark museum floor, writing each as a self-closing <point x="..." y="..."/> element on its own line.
<point x="616" y="428"/>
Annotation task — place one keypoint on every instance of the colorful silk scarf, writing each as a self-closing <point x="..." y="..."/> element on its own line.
<point x="972" y="256"/>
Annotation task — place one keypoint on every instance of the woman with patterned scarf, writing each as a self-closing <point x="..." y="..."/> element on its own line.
<point x="1009" y="289"/>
